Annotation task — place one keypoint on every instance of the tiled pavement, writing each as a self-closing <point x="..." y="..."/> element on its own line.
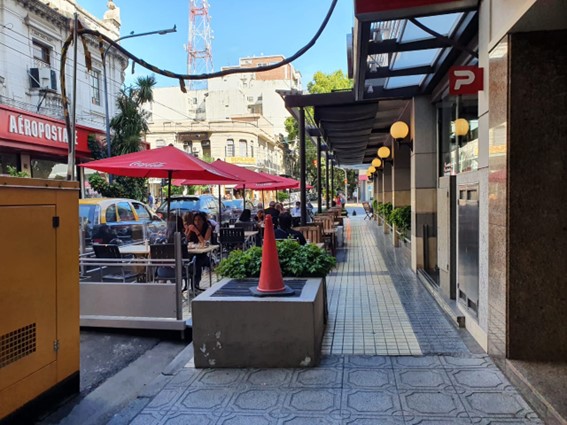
<point x="393" y="358"/>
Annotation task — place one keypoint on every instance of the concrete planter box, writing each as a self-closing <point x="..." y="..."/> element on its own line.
<point x="248" y="331"/>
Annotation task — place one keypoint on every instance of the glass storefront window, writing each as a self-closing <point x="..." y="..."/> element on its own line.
<point x="43" y="168"/>
<point x="8" y="160"/>
<point x="458" y="154"/>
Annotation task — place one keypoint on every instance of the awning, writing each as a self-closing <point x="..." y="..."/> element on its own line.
<point x="353" y="130"/>
<point x="400" y="50"/>
<point x="403" y="48"/>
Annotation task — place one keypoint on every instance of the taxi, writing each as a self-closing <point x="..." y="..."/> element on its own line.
<point x="118" y="220"/>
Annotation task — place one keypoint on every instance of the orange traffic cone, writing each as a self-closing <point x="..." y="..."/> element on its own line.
<point x="271" y="280"/>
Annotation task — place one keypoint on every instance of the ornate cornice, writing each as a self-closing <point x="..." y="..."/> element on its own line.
<point x="45" y="12"/>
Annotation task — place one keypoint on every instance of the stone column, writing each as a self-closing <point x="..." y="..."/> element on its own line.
<point x="386" y="180"/>
<point x="537" y="197"/>
<point x="423" y="182"/>
<point x="401" y="180"/>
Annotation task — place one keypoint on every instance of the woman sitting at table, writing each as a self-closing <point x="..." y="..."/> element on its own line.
<point x="260" y="215"/>
<point x="200" y="233"/>
<point x="187" y="221"/>
<point x="246" y="216"/>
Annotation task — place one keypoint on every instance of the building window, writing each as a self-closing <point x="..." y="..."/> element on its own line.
<point x="458" y="153"/>
<point x="42" y="52"/>
<point x="229" y="151"/>
<point x="251" y="150"/>
<point x="95" y="85"/>
<point x="45" y="168"/>
<point x="8" y="160"/>
<point x="243" y="148"/>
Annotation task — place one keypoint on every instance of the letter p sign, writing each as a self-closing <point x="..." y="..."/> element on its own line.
<point x="465" y="80"/>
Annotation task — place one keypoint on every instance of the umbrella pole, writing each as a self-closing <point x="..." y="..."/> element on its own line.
<point x="263" y="201"/>
<point x="168" y="192"/>
<point x="243" y="197"/>
<point x="220" y="207"/>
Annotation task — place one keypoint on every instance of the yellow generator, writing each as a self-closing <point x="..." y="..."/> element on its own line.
<point x="39" y="293"/>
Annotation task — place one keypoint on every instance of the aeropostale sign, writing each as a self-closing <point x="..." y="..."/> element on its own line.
<point x="28" y="128"/>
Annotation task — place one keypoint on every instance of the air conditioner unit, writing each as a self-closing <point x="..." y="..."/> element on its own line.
<point x="43" y="78"/>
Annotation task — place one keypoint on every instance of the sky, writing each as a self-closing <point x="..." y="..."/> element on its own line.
<point x="240" y="28"/>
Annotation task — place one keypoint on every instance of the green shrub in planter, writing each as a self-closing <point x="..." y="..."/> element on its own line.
<point x="401" y="218"/>
<point x="295" y="261"/>
<point x="384" y="210"/>
<point x="375" y="205"/>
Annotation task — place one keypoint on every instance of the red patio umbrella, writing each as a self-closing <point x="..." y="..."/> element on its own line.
<point x="241" y="175"/>
<point x="167" y="162"/>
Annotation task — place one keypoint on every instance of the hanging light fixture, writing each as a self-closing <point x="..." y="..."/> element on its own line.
<point x="384" y="152"/>
<point x="399" y="131"/>
<point x="461" y="127"/>
<point x="371" y="169"/>
<point x="376" y="162"/>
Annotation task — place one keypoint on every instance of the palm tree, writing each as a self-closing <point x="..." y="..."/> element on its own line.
<point x="129" y="126"/>
<point x="131" y="121"/>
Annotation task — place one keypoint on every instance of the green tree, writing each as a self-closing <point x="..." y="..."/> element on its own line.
<point x="128" y="126"/>
<point x="327" y="83"/>
<point x="322" y="83"/>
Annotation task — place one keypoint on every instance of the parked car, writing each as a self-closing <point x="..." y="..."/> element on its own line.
<point x="119" y="220"/>
<point x="236" y="206"/>
<point x="180" y="204"/>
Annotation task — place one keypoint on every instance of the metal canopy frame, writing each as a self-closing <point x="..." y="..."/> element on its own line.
<point x="394" y="60"/>
<point x="379" y="47"/>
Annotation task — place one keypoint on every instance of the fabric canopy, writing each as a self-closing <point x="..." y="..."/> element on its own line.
<point x="167" y="162"/>
<point x="239" y="174"/>
<point x="277" y="183"/>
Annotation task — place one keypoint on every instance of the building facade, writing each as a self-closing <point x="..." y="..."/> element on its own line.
<point x="239" y="118"/>
<point x="32" y="128"/>
<point x="481" y="163"/>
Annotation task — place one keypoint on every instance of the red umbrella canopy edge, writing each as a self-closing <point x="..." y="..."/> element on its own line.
<point x="165" y="162"/>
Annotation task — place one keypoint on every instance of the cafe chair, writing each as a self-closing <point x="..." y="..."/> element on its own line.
<point x="118" y="272"/>
<point x="167" y="273"/>
<point x="231" y="238"/>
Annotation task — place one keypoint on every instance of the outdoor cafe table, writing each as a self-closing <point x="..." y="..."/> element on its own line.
<point x="144" y="250"/>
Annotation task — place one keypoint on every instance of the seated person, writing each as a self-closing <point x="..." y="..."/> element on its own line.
<point x="246" y="216"/>
<point x="187" y="221"/>
<point x="200" y="232"/>
<point x="106" y="235"/>
<point x="296" y="211"/>
<point x="271" y="210"/>
<point x="259" y="218"/>
<point x="284" y="230"/>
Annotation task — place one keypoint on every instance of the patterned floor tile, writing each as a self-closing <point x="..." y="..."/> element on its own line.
<point x="432" y="403"/>
<point x="373" y="371"/>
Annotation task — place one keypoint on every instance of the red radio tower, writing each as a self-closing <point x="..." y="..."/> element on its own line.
<point x="199" y="52"/>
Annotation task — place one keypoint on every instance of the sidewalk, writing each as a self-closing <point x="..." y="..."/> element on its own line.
<point x="391" y="357"/>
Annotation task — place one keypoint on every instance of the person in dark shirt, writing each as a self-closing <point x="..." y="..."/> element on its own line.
<point x="284" y="230"/>
<point x="271" y="210"/>
<point x="245" y="216"/>
<point x="200" y="232"/>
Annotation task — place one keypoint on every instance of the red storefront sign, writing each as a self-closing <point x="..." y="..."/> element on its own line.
<point x="372" y="10"/>
<point x="465" y="80"/>
<point x="40" y="133"/>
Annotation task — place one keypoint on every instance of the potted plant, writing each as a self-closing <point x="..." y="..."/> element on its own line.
<point x="295" y="261"/>
<point x="401" y="218"/>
